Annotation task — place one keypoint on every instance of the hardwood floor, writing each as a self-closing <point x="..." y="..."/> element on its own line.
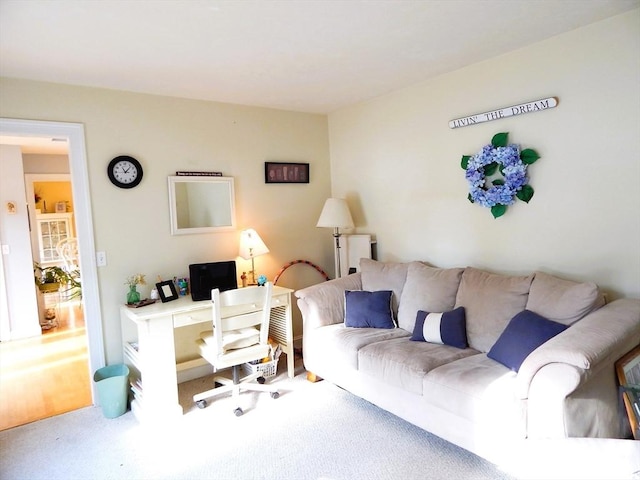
<point x="48" y="375"/>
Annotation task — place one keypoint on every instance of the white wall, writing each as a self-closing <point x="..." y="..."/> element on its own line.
<point x="398" y="163"/>
<point x="169" y="134"/>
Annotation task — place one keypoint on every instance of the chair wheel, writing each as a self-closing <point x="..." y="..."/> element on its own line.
<point x="261" y="380"/>
<point x="275" y="395"/>
<point x="238" y="412"/>
<point x="201" y="404"/>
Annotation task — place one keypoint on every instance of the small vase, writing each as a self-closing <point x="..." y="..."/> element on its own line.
<point x="133" y="296"/>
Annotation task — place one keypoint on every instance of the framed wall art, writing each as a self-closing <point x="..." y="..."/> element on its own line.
<point x="283" y="172"/>
<point x="628" y="370"/>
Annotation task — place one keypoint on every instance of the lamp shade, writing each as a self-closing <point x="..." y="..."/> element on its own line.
<point x="251" y="245"/>
<point x="335" y="214"/>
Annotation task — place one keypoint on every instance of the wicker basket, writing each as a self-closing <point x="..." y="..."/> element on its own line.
<point x="268" y="369"/>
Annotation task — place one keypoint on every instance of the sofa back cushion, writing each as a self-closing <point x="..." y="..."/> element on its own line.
<point x="429" y="289"/>
<point x="563" y="301"/>
<point x="490" y="301"/>
<point x="384" y="276"/>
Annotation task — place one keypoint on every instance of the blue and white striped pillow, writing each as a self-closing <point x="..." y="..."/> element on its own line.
<point x="448" y="328"/>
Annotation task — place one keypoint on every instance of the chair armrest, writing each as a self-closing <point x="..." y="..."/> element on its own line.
<point x="323" y="304"/>
<point x="591" y="344"/>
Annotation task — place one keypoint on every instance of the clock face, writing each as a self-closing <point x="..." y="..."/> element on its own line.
<point x="125" y="171"/>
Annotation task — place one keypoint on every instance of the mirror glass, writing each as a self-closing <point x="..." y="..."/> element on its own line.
<point x="201" y="204"/>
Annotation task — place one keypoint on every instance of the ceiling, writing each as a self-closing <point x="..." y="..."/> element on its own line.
<point x="301" y="55"/>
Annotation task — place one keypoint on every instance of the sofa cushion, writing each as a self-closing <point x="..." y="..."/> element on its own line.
<point x="339" y="345"/>
<point x="403" y="363"/>
<point x="427" y="288"/>
<point x="480" y="390"/>
<point x="562" y="300"/>
<point x="446" y="328"/>
<point x="525" y="332"/>
<point x="490" y="301"/>
<point x="368" y="309"/>
<point x="384" y="276"/>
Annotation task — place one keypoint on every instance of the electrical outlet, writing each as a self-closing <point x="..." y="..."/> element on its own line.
<point x="6" y="250"/>
<point x="101" y="259"/>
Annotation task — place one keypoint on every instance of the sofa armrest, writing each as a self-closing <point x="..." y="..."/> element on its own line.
<point x="323" y="304"/>
<point x="593" y="343"/>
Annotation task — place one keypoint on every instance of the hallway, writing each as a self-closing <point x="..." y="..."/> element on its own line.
<point x="47" y="375"/>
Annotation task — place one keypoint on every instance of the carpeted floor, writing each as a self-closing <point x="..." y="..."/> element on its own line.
<point x="313" y="431"/>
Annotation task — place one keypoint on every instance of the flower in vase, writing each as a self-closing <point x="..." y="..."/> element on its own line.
<point x="137" y="279"/>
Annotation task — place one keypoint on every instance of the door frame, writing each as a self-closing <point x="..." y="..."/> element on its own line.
<point x="74" y="133"/>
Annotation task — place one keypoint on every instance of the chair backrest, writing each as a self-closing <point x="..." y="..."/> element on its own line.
<point x="241" y="308"/>
<point x="67" y="249"/>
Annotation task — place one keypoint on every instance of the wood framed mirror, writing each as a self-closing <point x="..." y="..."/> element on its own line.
<point x="201" y="204"/>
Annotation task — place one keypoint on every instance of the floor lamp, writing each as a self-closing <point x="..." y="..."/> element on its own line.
<point x="251" y="246"/>
<point x="335" y="214"/>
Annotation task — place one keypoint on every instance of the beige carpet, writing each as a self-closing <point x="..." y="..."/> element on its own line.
<point x="313" y="431"/>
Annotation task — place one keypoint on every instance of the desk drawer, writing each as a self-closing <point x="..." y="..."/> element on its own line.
<point x="280" y="300"/>
<point x="191" y="318"/>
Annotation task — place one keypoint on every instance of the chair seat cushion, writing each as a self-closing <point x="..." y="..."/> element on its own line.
<point x="233" y="339"/>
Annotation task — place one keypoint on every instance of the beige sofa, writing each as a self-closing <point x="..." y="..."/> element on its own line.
<point x="566" y="387"/>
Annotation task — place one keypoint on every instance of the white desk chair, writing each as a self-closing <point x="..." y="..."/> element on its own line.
<point x="67" y="249"/>
<point x="237" y="339"/>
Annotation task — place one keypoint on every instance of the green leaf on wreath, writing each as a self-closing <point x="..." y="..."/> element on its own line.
<point x="500" y="139"/>
<point x="498" y="181"/>
<point x="490" y="169"/>
<point x="498" y="210"/>
<point x="470" y="199"/>
<point x="525" y="193"/>
<point x="529" y="156"/>
<point x="465" y="161"/>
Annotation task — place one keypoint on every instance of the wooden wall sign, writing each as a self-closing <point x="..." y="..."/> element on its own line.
<point x="536" y="106"/>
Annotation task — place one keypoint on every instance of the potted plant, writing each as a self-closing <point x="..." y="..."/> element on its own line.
<point x="49" y="279"/>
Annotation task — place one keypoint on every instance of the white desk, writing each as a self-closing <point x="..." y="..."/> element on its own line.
<point x="159" y="345"/>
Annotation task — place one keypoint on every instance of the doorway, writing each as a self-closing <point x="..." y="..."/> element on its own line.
<point x="74" y="135"/>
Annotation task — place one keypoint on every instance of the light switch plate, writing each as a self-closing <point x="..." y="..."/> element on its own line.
<point x="101" y="259"/>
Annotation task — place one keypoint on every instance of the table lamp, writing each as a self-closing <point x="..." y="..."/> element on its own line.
<point x="335" y="214"/>
<point x="251" y="246"/>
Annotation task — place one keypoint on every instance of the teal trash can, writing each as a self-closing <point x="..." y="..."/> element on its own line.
<point x="112" y="383"/>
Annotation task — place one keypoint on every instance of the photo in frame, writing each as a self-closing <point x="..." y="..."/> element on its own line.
<point x="284" y="172"/>
<point x="628" y="370"/>
<point x="167" y="291"/>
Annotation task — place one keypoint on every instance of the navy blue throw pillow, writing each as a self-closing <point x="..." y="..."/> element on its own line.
<point x="448" y="328"/>
<point x="368" y="309"/>
<point x="525" y="332"/>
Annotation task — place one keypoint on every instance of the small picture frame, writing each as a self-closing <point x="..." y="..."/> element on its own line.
<point x="167" y="291"/>
<point x="61" y="207"/>
<point x="628" y="370"/>
<point x="284" y="172"/>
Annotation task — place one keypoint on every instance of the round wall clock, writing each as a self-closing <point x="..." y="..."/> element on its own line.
<point x="125" y="171"/>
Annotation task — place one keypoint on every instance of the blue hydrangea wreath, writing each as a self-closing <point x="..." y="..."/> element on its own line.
<point x="510" y="162"/>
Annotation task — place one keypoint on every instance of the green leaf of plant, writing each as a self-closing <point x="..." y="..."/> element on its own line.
<point x="529" y="156"/>
<point x="525" y="193"/>
<point x="469" y="198"/>
<point x="498" y="181"/>
<point x="498" y="210"/>
<point x="490" y="169"/>
<point x="465" y="161"/>
<point x="500" y="139"/>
